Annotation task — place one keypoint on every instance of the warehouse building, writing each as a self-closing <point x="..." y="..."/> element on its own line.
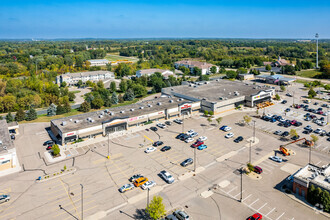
<point x="100" y="123"/>
<point x="221" y="96"/>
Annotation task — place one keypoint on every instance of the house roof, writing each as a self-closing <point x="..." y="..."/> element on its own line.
<point x="6" y="142"/>
<point x="192" y="63"/>
<point x="151" y="71"/>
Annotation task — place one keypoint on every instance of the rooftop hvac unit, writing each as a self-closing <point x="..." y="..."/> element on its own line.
<point x="190" y="85"/>
<point x="91" y="120"/>
<point x="70" y="119"/>
<point x="149" y="105"/>
<point x="4" y="147"/>
<point x="171" y="101"/>
<point x="122" y="111"/>
<point x="0" y="142"/>
<point x="180" y="99"/>
<point x="132" y="109"/>
<point x="112" y="113"/>
<point x="100" y="116"/>
<point x="159" y="103"/>
<point x="63" y="123"/>
<point x="76" y="121"/>
<point x="141" y="107"/>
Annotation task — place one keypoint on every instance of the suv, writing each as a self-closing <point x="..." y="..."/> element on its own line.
<point x="140" y="181"/>
<point x="50" y="142"/>
<point x="166" y="176"/>
<point x="257" y="169"/>
<point x="135" y="177"/>
<point x="181" y="215"/>
<point x="154" y="129"/>
<point x="157" y="143"/>
<point x="187" y="162"/>
<point x="238" y="139"/>
<point x="4" y="198"/>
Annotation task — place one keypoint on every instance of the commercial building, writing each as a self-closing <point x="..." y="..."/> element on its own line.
<point x="246" y="76"/>
<point x="8" y="157"/>
<point x="275" y="79"/>
<point x="221" y="96"/>
<point x="279" y="62"/>
<point x="311" y="174"/>
<point x="100" y="123"/>
<point x="191" y="64"/>
<point x="100" y="62"/>
<point x="149" y="72"/>
<point x="94" y="76"/>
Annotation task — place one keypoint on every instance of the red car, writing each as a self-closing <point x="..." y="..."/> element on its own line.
<point x="197" y="143"/>
<point x="293" y="122"/>
<point x="49" y="147"/>
<point x="258" y="170"/>
<point x="256" y="216"/>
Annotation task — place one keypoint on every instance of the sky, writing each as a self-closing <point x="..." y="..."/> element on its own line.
<point x="51" y="19"/>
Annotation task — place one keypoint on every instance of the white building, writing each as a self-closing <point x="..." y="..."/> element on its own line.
<point x="100" y="62"/>
<point x="205" y="67"/>
<point x="149" y="72"/>
<point x="94" y="76"/>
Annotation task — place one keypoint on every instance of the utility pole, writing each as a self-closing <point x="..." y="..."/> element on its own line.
<point x="310" y="154"/>
<point x="317" y="50"/>
<point x="241" y="184"/>
<point x="254" y="131"/>
<point x="194" y="159"/>
<point x="108" y="146"/>
<point x="250" y="151"/>
<point x="327" y="115"/>
<point x="148" y="197"/>
<point x="293" y="98"/>
<point x="82" y="202"/>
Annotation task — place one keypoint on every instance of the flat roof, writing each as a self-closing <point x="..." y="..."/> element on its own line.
<point x="213" y="90"/>
<point x="316" y="175"/>
<point x="126" y="112"/>
<point x="5" y="137"/>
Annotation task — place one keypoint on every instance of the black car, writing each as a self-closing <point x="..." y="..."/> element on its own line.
<point x="286" y="125"/>
<point x="307" y="131"/>
<point x="316" y="103"/>
<point x="165" y="148"/>
<point x="168" y="123"/>
<point x="285" y="133"/>
<point x="154" y="129"/>
<point x="280" y="124"/>
<point x="157" y="143"/>
<point x="187" y="162"/>
<point x="238" y="139"/>
<point x="184" y="137"/>
<point x="284" y="102"/>
<point x="179" y="136"/>
<point x="50" y="142"/>
<point x="134" y="177"/>
<point x="328" y="139"/>
<point x="297" y="124"/>
<point x="295" y="137"/>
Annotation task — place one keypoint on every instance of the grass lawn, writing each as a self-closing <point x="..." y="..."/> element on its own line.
<point x="76" y="91"/>
<point x="115" y="57"/>
<point x="308" y="73"/>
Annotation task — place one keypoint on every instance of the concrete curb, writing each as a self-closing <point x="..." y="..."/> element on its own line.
<point x="141" y="196"/>
<point x="52" y="160"/>
<point x="206" y="194"/>
<point x="226" y="156"/>
<point x="191" y="173"/>
<point x="52" y="176"/>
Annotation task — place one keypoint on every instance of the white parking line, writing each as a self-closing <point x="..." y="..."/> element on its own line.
<point x="280" y="216"/>
<point x="267" y="165"/>
<point x="246" y="197"/>
<point x="267" y="169"/>
<point x="231" y="190"/>
<point x="253" y="202"/>
<point x="239" y="194"/>
<point x="262" y="206"/>
<point x="318" y="163"/>
<point x="318" y="146"/>
<point x="325" y="148"/>
<point x="270" y="212"/>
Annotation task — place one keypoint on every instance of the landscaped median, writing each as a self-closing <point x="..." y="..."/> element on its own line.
<point x="56" y="174"/>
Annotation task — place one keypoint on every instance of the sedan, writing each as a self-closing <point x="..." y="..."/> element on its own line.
<point x="157" y="143"/>
<point x="194" y="134"/>
<point x="165" y="148"/>
<point x="227" y="129"/>
<point x="307" y="131"/>
<point x="126" y="187"/>
<point x="256" y="216"/>
<point x="148" y="185"/>
<point x="197" y="143"/>
<point x="202" y="138"/>
<point x="46" y="143"/>
<point x="202" y="147"/>
<point x="135" y="177"/>
<point x="180" y="136"/>
<point x="285" y="133"/>
<point x="238" y="139"/>
<point x="188" y="140"/>
<point x="287" y="110"/>
<point x="168" y="123"/>
<point x="295" y="137"/>
<point x="187" y="162"/>
<point x="178" y="121"/>
<point x="229" y="135"/>
<point x="278" y="132"/>
<point x="150" y="149"/>
<point x="222" y="128"/>
<point x="190" y="132"/>
<point x="49" y="147"/>
<point x="161" y="125"/>
<point x="154" y="129"/>
<point x="276" y="159"/>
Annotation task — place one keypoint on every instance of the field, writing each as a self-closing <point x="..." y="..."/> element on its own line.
<point x="308" y="73"/>
<point x="116" y="57"/>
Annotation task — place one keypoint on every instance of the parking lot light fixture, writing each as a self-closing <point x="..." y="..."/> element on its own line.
<point x="254" y="131"/>
<point x="241" y="171"/>
<point x="250" y="151"/>
<point x="108" y="146"/>
<point x="195" y="159"/>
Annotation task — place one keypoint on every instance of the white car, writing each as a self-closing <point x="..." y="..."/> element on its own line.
<point x="227" y="129"/>
<point x="282" y="120"/>
<point x="150" y="149"/>
<point x="189" y="140"/>
<point x="318" y="130"/>
<point x="229" y="135"/>
<point x="161" y="125"/>
<point x="194" y="134"/>
<point x="166" y="176"/>
<point x="202" y="138"/>
<point x="190" y="132"/>
<point x="276" y="159"/>
<point x="148" y="185"/>
<point x="178" y="121"/>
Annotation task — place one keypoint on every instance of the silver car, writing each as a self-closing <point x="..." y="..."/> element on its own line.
<point x="4" y="198"/>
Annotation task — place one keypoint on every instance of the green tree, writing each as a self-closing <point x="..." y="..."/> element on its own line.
<point x="20" y="115"/>
<point x="197" y="71"/>
<point x="211" y="113"/>
<point x="311" y="194"/>
<point x="241" y="70"/>
<point x="85" y="107"/>
<point x="268" y="67"/>
<point x="219" y="120"/>
<point x="60" y="109"/>
<point x="123" y="85"/>
<point x="206" y="113"/>
<point x="71" y="96"/>
<point x="51" y="111"/>
<point x="114" y="98"/>
<point x="63" y="84"/>
<point x="247" y="119"/>
<point x="311" y="93"/>
<point x="100" y="84"/>
<point x="113" y="87"/>
<point x="9" y="117"/>
<point x="31" y="115"/>
<point x="282" y="88"/>
<point x="156" y="208"/>
<point x="293" y="133"/>
<point x="209" y="119"/>
<point x="56" y="150"/>
<point x="129" y="95"/>
<point x="277" y="97"/>
<point x="314" y="138"/>
<point x="204" y="78"/>
<point x="97" y="103"/>
<point x="213" y="69"/>
<point x="120" y="98"/>
<point x="79" y="84"/>
<point x="231" y="74"/>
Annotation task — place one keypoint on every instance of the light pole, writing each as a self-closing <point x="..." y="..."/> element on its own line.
<point x="327" y="115"/>
<point x="108" y="146"/>
<point x="182" y="123"/>
<point x="250" y="151"/>
<point x="254" y="131"/>
<point x="82" y="202"/>
<point x="293" y="98"/>
<point x="241" y="171"/>
<point x="317" y="50"/>
<point x="194" y="159"/>
<point x="148" y="198"/>
<point x="310" y="154"/>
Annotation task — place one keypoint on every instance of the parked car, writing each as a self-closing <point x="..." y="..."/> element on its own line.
<point x="229" y="135"/>
<point x="188" y="140"/>
<point x="257" y="169"/>
<point x="222" y="127"/>
<point x="148" y="185"/>
<point x="157" y="143"/>
<point x="278" y="132"/>
<point x="49" y="147"/>
<point x="202" y="138"/>
<point x="190" y="132"/>
<point x="202" y="147"/>
<point x="238" y="139"/>
<point x="287" y="110"/>
<point x="181" y="215"/>
<point x="171" y="217"/>
<point x="308" y="127"/>
<point x="284" y="102"/>
<point x="276" y="159"/>
<point x="227" y="129"/>
<point x="197" y="143"/>
<point x="194" y="134"/>
<point x="284" y="134"/>
<point x="307" y="131"/>
<point x="289" y="94"/>
<point x="318" y="130"/>
<point x="187" y="162"/>
<point x="154" y="129"/>
<point x="161" y="125"/>
<point x="149" y="150"/>
<point x="140" y="181"/>
<point x="168" y="123"/>
<point x="4" y="198"/>
<point x="166" y="176"/>
<point x="295" y="137"/>
<point x="256" y="216"/>
<point x="178" y="121"/>
<point x="50" y="142"/>
<point x="134" y="177"/>
<point x="126" y="187"/>
<point x="180" y="136"/>
<point x="165" y="148"/>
